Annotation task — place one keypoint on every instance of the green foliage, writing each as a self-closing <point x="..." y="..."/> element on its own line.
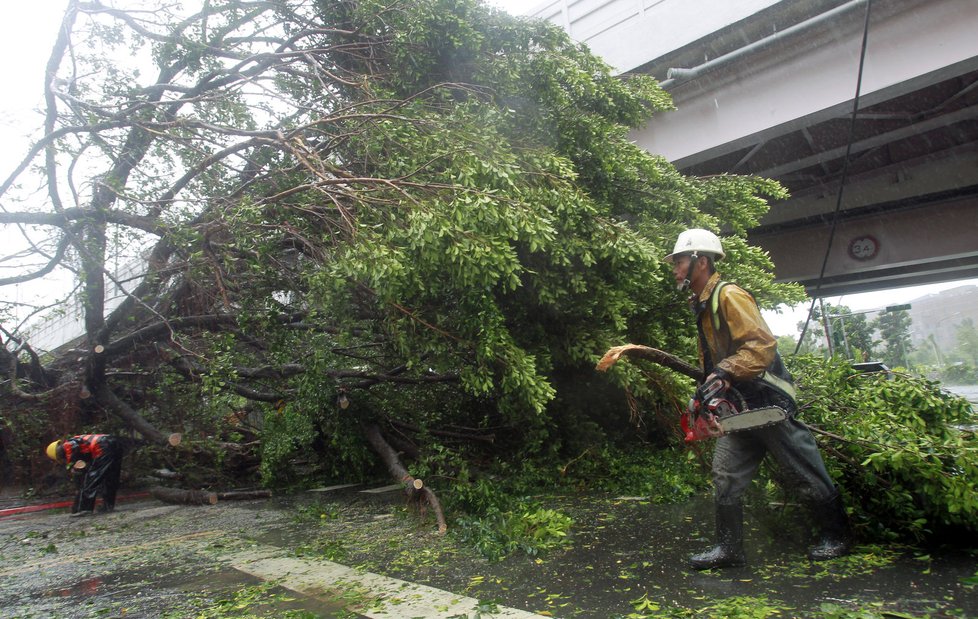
<point x="329" y="549"/>
<point x="736" y="607"/>
<point x="527" y="528"/>
<point x="898" y="445"/>
<point x="516" y="257"/>
<point x="253" y="602"/>
<point x="745" y="607"/>
<point x="894" y="329"/>
<point x="495" y="516"/>
<point x="852" y="334"/>
<point x="967" y="341"/>
<point x="960" y="374"/>
<point x="437" y="193"/>
<point x="664" y="475"/>
<point x="288" y="433"/>
<point x="864" y="560"/>
<point x="786" y="345"/>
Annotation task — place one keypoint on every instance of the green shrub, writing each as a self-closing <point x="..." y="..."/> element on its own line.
<point x="960" y="374"/>
<point x="528" y="528"/>
<point x="899" y="446"/>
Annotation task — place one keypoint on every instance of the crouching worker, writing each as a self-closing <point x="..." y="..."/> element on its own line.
<point x="96" y="461"/>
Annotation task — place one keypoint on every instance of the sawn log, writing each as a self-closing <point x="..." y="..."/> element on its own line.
<point x="184" y="497"/>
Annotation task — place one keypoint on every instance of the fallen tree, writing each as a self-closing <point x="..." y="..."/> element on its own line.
<point x="339" y="216"/>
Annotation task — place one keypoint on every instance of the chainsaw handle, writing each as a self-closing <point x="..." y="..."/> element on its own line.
<point x="713" y="387"/>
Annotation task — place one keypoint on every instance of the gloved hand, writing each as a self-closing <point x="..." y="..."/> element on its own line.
<point x="713" y="386"/>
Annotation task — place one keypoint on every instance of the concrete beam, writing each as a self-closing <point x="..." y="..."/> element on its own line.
<point x="619" y="30"/>
<point x="936" y="242"/>
<point x="786" y="88"/>
<point x="910" y="181"/>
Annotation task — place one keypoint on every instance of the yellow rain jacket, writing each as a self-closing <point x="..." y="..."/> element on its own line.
<point x="743" y="345"/>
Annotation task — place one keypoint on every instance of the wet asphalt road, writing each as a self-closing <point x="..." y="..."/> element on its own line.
<point x="148" y="559"/>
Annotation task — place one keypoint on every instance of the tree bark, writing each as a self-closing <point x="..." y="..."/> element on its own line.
<point x="127" y="414"/>
<point x="184" y="497"/>
<point x="244" y="495"/>
<point x="413" y="488"/>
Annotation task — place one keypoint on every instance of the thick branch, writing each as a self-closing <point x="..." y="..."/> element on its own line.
<point x="130" y="416"/>
<point x="465" y="436"/>
<point x="63" y="218"/>
<point x="413" y="488"/>
<point x="158" y="330"/>
<point x="193" y="373"/>
<point x="180" y="496"/>
<point x="652" y="354"/>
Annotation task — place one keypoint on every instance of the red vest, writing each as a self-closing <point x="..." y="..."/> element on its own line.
<point x="83" y="447"/>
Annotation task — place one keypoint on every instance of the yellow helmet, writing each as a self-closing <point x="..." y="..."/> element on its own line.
<point x="52" y="450"/>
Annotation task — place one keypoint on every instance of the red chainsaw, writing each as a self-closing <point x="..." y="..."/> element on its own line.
<point x="711" y="413"/>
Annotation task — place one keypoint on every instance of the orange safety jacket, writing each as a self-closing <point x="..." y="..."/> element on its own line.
<point x="85" y="447"/>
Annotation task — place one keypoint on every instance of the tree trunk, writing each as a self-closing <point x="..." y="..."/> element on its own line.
<point x="130" y="416"/>
<point x="244" y="495"/>
<point x="184" y="497"/>
<point x="413" y="488"/>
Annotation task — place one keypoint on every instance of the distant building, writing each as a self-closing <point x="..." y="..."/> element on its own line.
<point x="940" y="314"/>
<point x="67" y="323"/>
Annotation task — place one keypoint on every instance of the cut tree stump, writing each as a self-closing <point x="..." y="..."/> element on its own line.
<point x="414" y="488"/>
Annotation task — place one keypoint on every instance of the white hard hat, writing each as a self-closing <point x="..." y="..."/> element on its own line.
<point x="698" y="241"/>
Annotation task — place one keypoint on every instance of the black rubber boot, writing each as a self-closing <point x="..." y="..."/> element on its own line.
<point x="729" y="551"/>
<point x="835" y="539"/>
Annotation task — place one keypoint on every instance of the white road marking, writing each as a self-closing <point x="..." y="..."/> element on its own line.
<point x="376" y="596"/>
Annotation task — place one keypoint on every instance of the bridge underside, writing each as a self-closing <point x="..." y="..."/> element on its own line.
<point x="783" y="109"/>
<point x="909" y="209"/>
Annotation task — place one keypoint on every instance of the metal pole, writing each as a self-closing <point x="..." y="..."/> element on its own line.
<point x="828" y="326"/>
<point x="845" y="336"/>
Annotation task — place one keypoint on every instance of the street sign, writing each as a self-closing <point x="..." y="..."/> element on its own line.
<point x="897" y="308"/>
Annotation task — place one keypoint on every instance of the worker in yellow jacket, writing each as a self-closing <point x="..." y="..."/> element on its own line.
<point x="738" y="350"/>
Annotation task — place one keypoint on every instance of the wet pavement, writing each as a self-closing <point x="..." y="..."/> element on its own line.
<point x="627" y="558"/>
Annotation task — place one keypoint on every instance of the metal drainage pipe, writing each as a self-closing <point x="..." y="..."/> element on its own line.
<point x="676" y="76"/>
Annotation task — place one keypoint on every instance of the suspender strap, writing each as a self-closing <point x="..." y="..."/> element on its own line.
<point x="778" y="383"/>
<point x="715" y="306"/>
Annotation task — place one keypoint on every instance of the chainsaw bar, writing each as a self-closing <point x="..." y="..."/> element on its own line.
<point x="752" y="419"/>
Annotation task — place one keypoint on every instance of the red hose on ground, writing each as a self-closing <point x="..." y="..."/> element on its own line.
<point x="26" y="509"/>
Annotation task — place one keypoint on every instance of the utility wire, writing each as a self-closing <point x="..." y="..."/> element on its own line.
<point x="845" y="173"/>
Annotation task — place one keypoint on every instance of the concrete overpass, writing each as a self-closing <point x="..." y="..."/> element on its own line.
<point x="767" y="87"/>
